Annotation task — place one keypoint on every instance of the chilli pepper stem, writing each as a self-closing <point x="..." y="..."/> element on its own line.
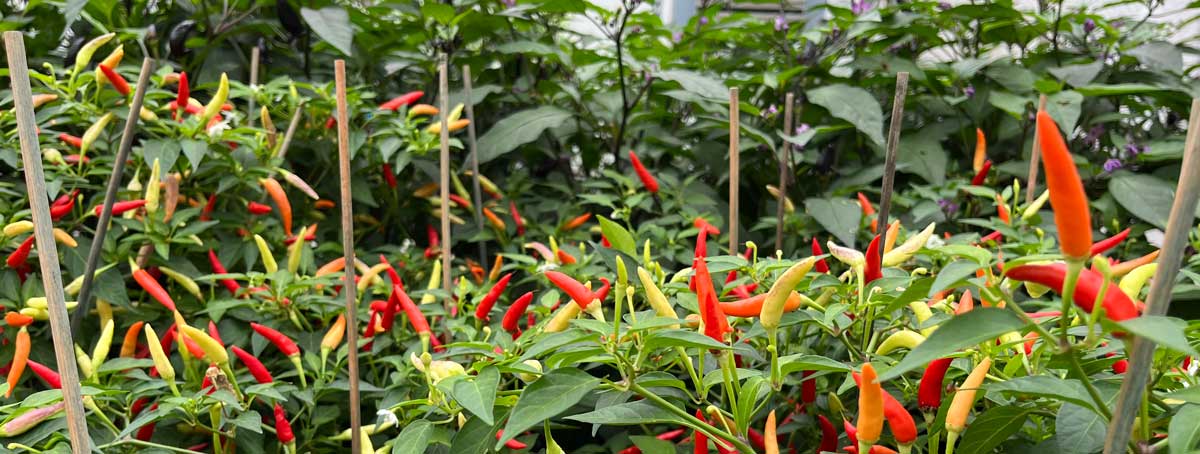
<point x="1074" y="267"/>
<point x="1077" y="368"/>
<point x="694" y="422"/>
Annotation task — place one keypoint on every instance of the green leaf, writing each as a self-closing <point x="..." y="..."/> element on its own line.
<point x="1078" y="75"/>
<point x="840" y="217"/>
<point x="1163" y="330"/>
<point x="1013" y="77"/>
<point x="1079" y="430"/>
<point x="628" y="414"/>
<point x="195" y="151"/>
<point x="473" y="438"/>
<point x="1116" y="89"/>
<point x="1014" y="105"/>
<point x="476" y="394"/>
<point x="1064" y="108"/>
<point x="620" y="238"/>
<point x="991" y="428"/>
<point x="414" y="438"/>
<point x="682" y="338"/>
<point x="854" y="105"/>
<point x="799" y="362"/>
<point x="696" y="83"/>
<point x="924" y="156"/>
<point x="1159" y="56"/>
<point x="1067" y="390"/>
<point x="1145" y="196"/>
<point x="652" y="445"/>
<point x="518" y="129"/>
<point x="962" y="331"/>
<point x="1184" y="433"/>
<point x="956" y="271"/>
<point x="165" y="151"/>
<point x="545" y="398"/>
<point x="332" y="24"/>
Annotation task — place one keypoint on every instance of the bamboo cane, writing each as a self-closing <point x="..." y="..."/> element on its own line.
<point x="893" y="145"/>
<point x="785" y="150"/>
<point x="734" y="168"/>
<point x="348" y="286"/>
<point x="444" y="100"/>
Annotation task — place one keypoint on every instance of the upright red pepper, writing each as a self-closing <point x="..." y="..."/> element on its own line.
<point x="214" y="333"/>
<point x="699" y="439"/>
<point x="489" y="300"/>
<point x="517" y="219"/>
<point x="118" y="82"/>
<point x="21" y="254"/>
<point x="982" y="174"/>
<point x="432" y="250"/>
<point x="578" y="293"/>
<point x="1108" y="243"/>
<point x="929" y="393"/>
<point x="206" y="212"/>
<point x="388" y="175"/>
<point x="1117" y="305"/>
<point x="716" y="325"/>
<point x="808" y="388"/>
<point x="415" y="316"/>
<point x="256" y="367"/>
<point x="182" y="95"/>
<point x="648" y="180"/>
<point x="146" y="432"/>
<point x="219" y="268"/>
<point x="515" y="311"/>
<point x="19" y="361"/>
<point x="873" y="269"/>
<point x="151" y="286"/>
<point x="820" y="266"/>
<point x="703" y="224"/>
<point x="1067" y="197"/>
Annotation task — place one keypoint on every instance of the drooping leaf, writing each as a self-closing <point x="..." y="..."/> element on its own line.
<point x="518" y="129"/>
<point x="961" y="331"/>
<point x="414" y="438"/>
<point x="545" y="398"/>
<point x="854" y="105"/>
<point x="332" y="24"/>
<point x="620" y="238"/>
<point x="838" y="216"/>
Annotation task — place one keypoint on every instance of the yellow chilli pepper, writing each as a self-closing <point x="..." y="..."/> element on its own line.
<point x="371" y="276"/>
<point x="293" y="260"/>
<point x="111" y="61"/>
<point x="65" y="238"/>
<point x="770" y="442"/>
<point x="905" y="250"/>
<point x="265" y="251"/>
<point x="186" y="282"/>
<point x="333" y="337"/>
<point x="100" y="351"/>
<point x="435" y="280"/>
<point x="152" y="192"/>
<point x="17" y="228"/>
<point x="436" y="127"/>
<point x="84" y="56"/>
<point x="658" y="301"/>
<point x="161" y="362"/>
<point x="218" y="100"/>
<point x="900" y="339"/>
<point x="1036" y="206"/>
<point x="923" y="313"/>
<point x="86" y="368"/>
<point x="213" y="351"/>
<point x="93" y="132"/>
<point x="964" y="399"/>
<point x="563" y="317"/>
<point x="773" y="305"/>
<point x="1133" y="282"/>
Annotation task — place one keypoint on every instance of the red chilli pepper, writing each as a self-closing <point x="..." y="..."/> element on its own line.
<point x="511" y="444"/>
<point x="47" y="374"/>
<point x="145" y="432"/>
<point x="829" y="435"/>
<point x="117" y="81"/>
<point x="19" y="256"/>
<point x="820" y="266"/>
<point x="489" y="300"/>
<point x="406" y="99"/>
<point x="258" y="209"/>
<point x="415" y="317"/>
<point x="151" y="286"/>
<point x="904" y="428"/>
<point x="604" y="288"/>
<point x="517" y="219"/>
<point x="282" y="342"/>
<point x="120" y="208"/>
<point x="1120" y="366"/>
<point x="716" y="325"/>
<point x="515" y="311"/>
<point x="929" y="394"/>
<point x="283" y="429"/>
<point x="256" y="367"/>
<point x="648" y="180"/>
<point x="703" y="224"/>
<point x="1108" y="243"/>
<point x="63" y="205"/>
<point x="699" y="440"/>
<point x="1117" y="305"/>
<point x="74" y="141"/>
<point x="206" y="212"/>
<point x="982" y="174"/>
<point x="808" y="388"/>
<point x="873" y="269"/>
<point x="578" y="293"/>
<point x="213" y="333"/>
<point x="181" y="96"/>
<point x="219" y="268"/>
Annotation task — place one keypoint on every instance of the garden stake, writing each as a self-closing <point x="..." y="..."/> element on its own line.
<point x="255" y="55"/>
<point x="1159" y="299"/>
<point x="444" y="142"/>
<point x="348" y="287"/>
<point x="35" y="179"/>
<point x="789" y="101"/>
<point x="1035" y="155"/>
<point x="110" y="196"/>
<point x="893" y="143"/>
<point x="734" y="168"/>
<point x="474" y="159"/>
<point x="291" y="130"/>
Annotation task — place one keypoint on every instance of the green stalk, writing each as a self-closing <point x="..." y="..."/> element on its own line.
<point x="1077" y="368"/>
<point x="691" y="420"/>
<point x="1074" y="267"/>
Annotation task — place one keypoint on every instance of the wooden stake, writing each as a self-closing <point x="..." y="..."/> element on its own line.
<point x="444" y="100"/>
<point x="31" y="155"/>
<point x="255" y="55"/>
<point x="110" y="196"/>
<point x="474" y="159"/>
<point x="1035" y="155"/>
<point x="348" y="286"/>
<point x="893" y="144"/>
<point x="1175" y="240"/>
<point x="734" y="168"/>
<point x="785" y="152"/>
<point x="291" y="130"/>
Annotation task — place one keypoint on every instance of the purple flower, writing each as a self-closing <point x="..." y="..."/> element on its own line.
<point x="677" y="37"/>
<point x="510" y="3"/>
<point x="859" y="6"/>
<point x="803" y="128"/>
<point x="703" y="20"/>
<point x="1112" y="165"/>
<point x="944" y="6"/>
<point x="1093" y="136"/>
<point x="948" y="206"/>
<point x="771" y="111"/>
<point x="969" y="91"/>
<point x="781" y="23"/>
<point x="1089" y="25"/>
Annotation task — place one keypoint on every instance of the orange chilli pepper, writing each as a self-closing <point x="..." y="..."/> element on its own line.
<point x="20" y="357"/>
<point x="494" y="220"/>
<point x="274" y="190"/>
<point x="17" y="319"/>
<point x="129" y="345"/>
<point x="576" y="222"/>
<point x="752" y="306"/>
<point x="980" y="150"/>
<point x="1070" y="202"/>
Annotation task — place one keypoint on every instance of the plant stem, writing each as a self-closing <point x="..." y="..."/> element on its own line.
<point x="691" y="420"/>
<point x="1077" y="368"/>
<point x="1074" y="267"/>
